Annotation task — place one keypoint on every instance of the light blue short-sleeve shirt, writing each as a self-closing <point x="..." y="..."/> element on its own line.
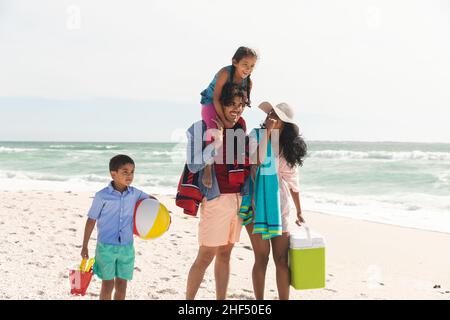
<point x="113" y="212"/>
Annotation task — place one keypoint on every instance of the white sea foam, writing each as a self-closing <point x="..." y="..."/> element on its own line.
<point x="380" y="155"/>
<point x="420" y="211"/>
<point x="61" y="146"/>
<point x="444" y="178"/>
<point x="16" y="180"/>
<point x="16" y="150"/>
<point x="108" y="147"/>
<point x="168" y="153"/>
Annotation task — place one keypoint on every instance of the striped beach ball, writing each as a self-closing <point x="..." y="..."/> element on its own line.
<point x="151" y="219"/>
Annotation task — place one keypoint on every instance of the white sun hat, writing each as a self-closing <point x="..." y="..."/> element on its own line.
<point x="284" y="111"/>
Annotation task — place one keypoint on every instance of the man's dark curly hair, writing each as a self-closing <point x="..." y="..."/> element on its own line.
<point x="229" y="91"/>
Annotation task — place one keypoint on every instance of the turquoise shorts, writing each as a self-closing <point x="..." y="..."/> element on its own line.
<point x="113" y="261"/>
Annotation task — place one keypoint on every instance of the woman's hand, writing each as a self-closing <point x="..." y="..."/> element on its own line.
<point x="300" y="218"/>
<point x="271" y="121"/>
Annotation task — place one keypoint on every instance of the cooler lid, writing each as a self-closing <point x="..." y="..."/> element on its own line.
<point x="303" y="238"/>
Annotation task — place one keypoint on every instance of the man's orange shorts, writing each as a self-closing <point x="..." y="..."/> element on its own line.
<point x="219" y="221"/>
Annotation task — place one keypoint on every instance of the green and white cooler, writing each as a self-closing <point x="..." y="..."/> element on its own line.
<point x="307" y="259"/>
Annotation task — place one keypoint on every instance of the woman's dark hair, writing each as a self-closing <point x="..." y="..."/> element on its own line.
<point x="243" y="52"/>
<point x="229" y="91"/>
<point x="118" y="161"/>
<point x="292" y="146"/>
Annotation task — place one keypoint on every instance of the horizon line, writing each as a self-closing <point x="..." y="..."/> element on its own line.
<point x="312" y="140"/>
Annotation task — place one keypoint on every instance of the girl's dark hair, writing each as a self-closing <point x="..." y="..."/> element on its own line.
<point x="292" y="146"/>
<point x="243" y="52"/>
<point x="229" y="91"/>
<point x="118" y="161"/>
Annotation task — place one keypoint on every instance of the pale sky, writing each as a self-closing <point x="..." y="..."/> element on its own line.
<point x="133" y="70"/>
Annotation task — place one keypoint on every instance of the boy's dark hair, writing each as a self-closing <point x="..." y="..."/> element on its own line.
<point x="118" y="161"/>
<point x="229" y="91"/>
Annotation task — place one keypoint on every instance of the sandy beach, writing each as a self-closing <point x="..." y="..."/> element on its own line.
<point x="43" y="233"/>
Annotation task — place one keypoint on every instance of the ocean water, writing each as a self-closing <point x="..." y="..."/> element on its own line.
<point x="405" y="184"/>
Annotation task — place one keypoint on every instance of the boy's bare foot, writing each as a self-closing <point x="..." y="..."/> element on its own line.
<point x="207" y="179"/>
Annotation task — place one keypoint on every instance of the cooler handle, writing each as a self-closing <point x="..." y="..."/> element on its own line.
<point x="308" y="234"/>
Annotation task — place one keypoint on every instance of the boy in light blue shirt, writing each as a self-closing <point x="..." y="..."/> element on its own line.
<point x="112" y="210"/>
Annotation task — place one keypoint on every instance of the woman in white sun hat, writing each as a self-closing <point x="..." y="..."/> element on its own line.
<point x="265" y="211"/>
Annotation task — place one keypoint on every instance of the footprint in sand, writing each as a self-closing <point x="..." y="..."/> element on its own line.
<point x="152" y="296"/>
<point x="37" y="264"/>
<point x="72" y="229"/>
<point x="240" y="296"/>
<point x="169" y="291"/>
<point x="164" y="279"/>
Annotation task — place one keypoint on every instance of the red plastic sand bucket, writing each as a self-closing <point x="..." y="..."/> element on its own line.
<point x="80" y="280"/>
